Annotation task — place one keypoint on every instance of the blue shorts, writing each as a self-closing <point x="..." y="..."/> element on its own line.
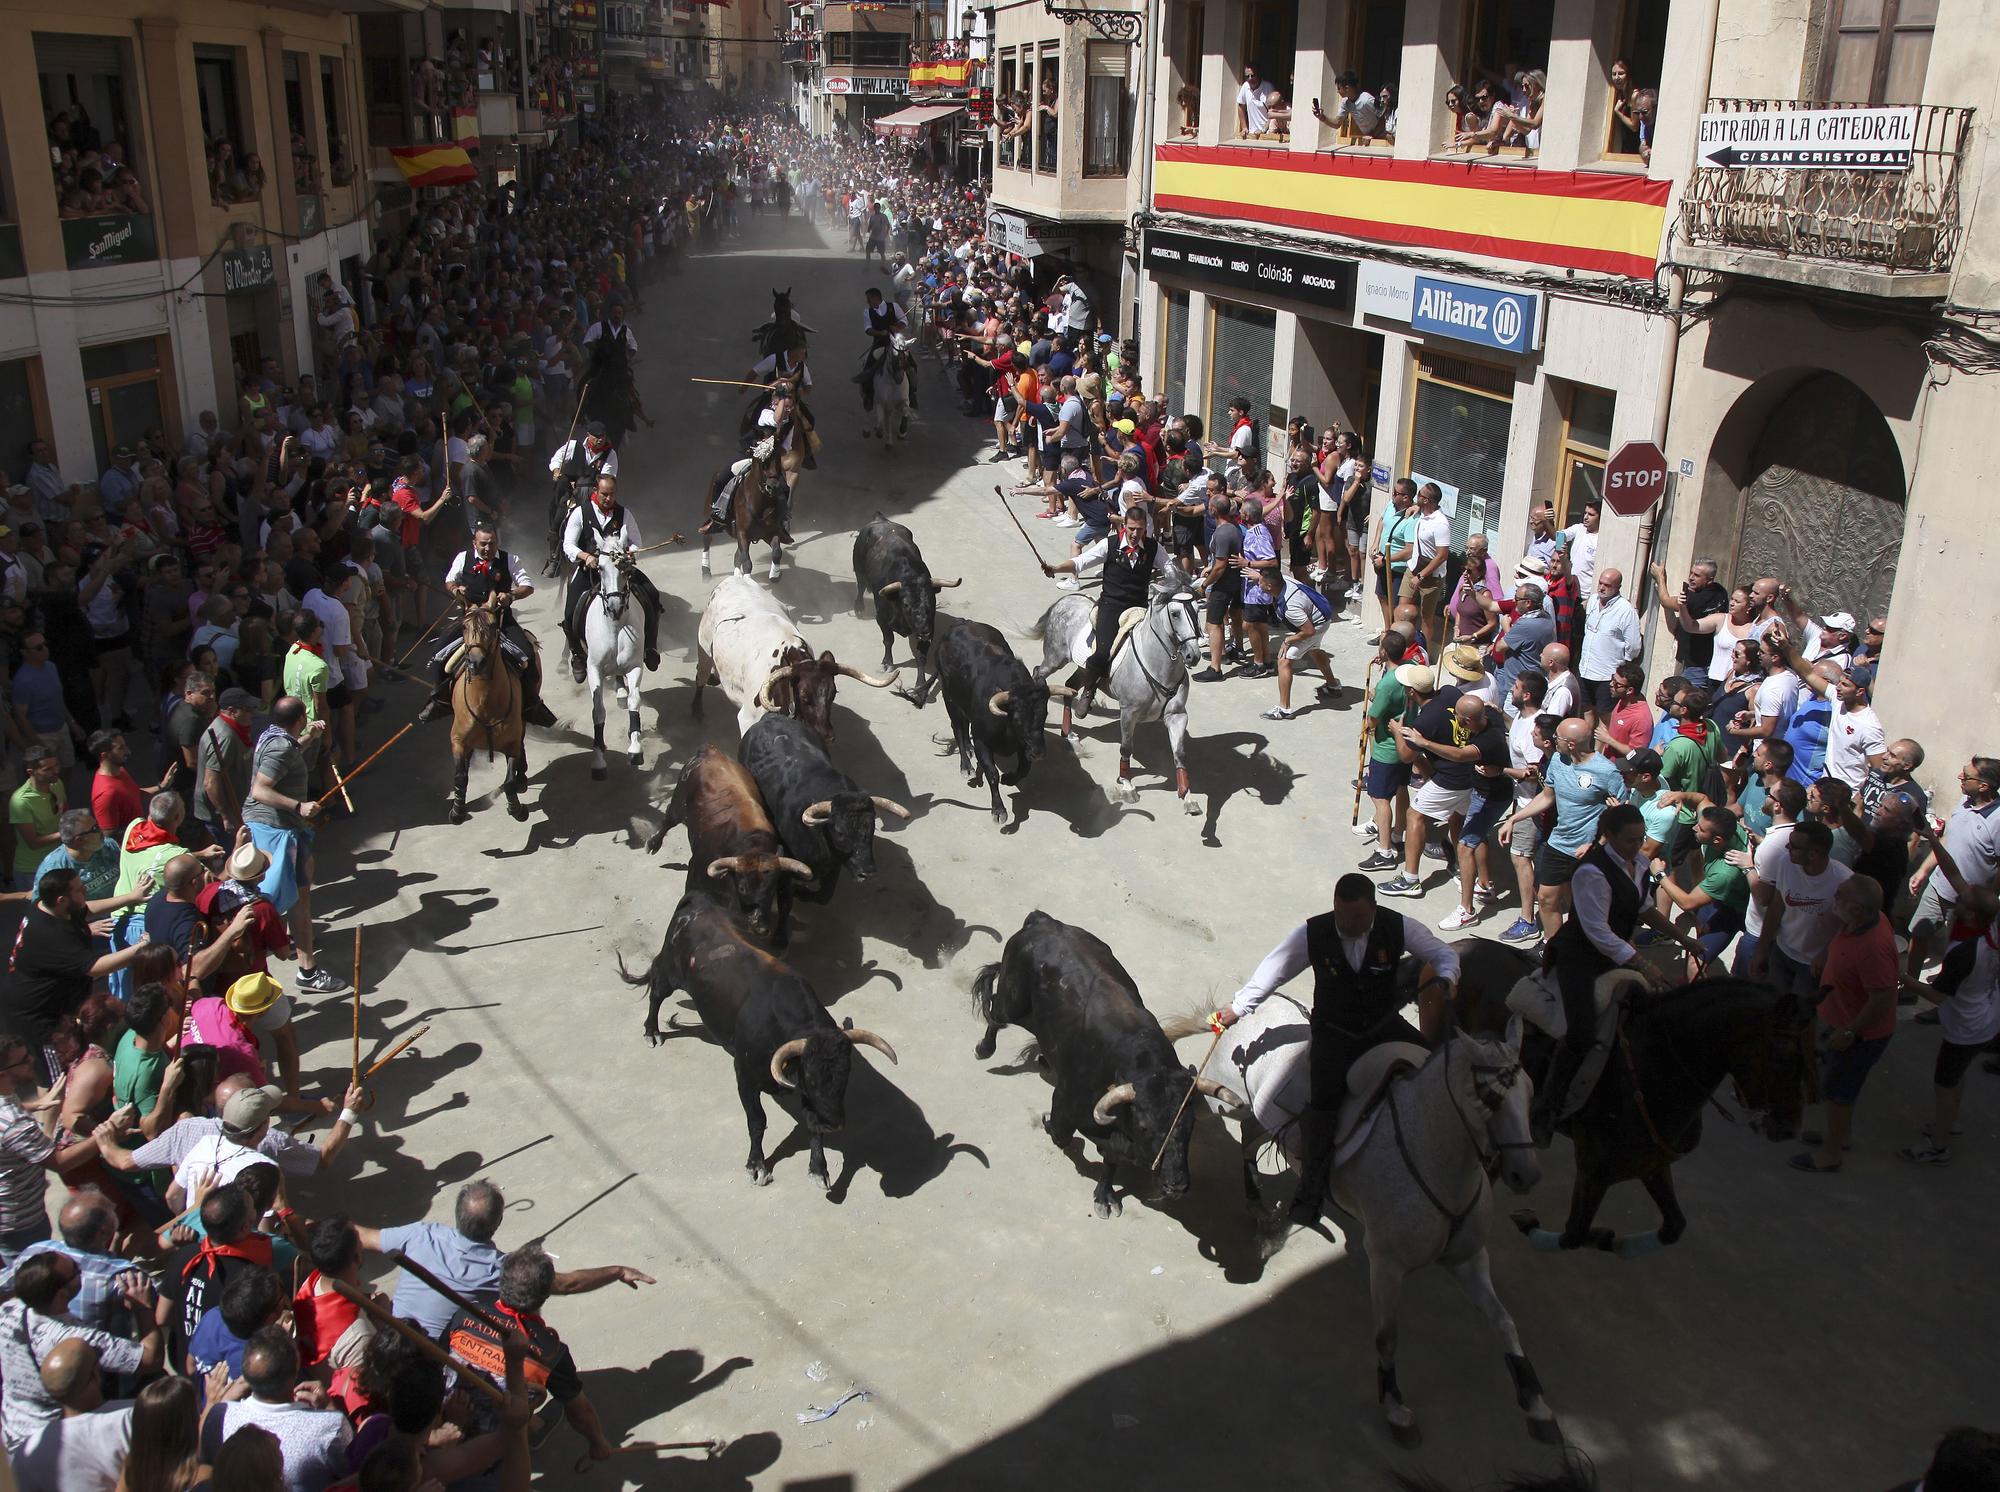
<point x="1718" y="925"/>
<point x="1487" y="809"/>
<point x="1386" y="779"/>
<point x="291" y="872"/>
<point x="1843" y="1073"/>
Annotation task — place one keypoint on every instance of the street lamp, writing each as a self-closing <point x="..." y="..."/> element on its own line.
<point x="1112" y="25"/>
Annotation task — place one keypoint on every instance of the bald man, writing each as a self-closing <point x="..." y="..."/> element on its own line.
<point x="83" y="1451"/>
<point x="1579" y="784"/>
<point x="86" y="1228"/>
<point x="1565" y="696"/>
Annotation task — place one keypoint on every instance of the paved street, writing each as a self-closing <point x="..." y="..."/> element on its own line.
<point x="1809" y="1332"/>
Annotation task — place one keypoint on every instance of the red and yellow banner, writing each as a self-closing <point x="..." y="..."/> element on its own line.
<point x="465" y="126"/>
<point x="434" y="165"/>
<point x="583" y="12"/>
<point x="948" y="74"/>
<point x="1605" y="222"/>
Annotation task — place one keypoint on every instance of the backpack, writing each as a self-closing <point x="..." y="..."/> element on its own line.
<point x="1318" y="601"/>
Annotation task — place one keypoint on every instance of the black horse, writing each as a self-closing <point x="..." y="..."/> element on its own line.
<point x="1675" y="1050"/>
<point x="783" y="331"/>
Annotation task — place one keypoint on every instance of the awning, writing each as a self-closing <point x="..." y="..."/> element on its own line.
<point x="915" y="119"/>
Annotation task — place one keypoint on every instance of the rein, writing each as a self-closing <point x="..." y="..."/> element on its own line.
<point x="1453" y="1220"/>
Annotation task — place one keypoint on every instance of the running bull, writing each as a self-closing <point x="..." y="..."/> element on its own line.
<point x="765" y="1015"/>
<point x="889" y="566"/>
<point x="822" y="817"/>
<point x="996" y="706"/>
<point x="746" y="642"/>
<point x="731" y="844"/>
<point x="1116" y="1077"/>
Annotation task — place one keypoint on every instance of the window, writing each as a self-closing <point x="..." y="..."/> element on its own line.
<point x="128" y="388"/>
<point x="1048" y="109"/>
<point x="1586" y="447"/>
<point x="1173" y="350"/>
<point x="1190" y="58"/>
<point x="1107" y="109"/>
<point x="1878" y="51"/>
<point x="1636" y="66"/>
<point x="1458" y="438"/>
<point x="1505" y="38"/>
<point x="1006" y="106"/>
<point x="840" y="46"/>
<point x="880" y="51"/>
<point x="215" y="91"/>
<point x="1375" y="47"/>
<point x="1243" y="344"/>
<point x="1271" y="41"/>
<point x="89" y="109"/>
<point x="333" y="114"/>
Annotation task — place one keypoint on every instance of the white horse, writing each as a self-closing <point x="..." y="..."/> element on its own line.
<point x="1149" y="670"/>
<point x="893" y="378"/>
<point x="611" y="651"/>
<point x="1412" y="1167"/>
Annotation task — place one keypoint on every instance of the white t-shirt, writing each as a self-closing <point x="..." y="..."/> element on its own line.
<point x="1561" y="700"/>
<point x="82" y="1453"/>
<point x="1851" y="738"/>
<point x="1256" y="105"/>
<point x="1971" y="1017"/>
<point x="1522" y="752"/>
<point x="218" y="1152"/>
<point x="1810" y="921"/>
<point x="1726" y="637"/>
<point x="322" y="442"/>
<point x="1769" y="856"/>
<point x="1582" y="555"/>
<point x="1433" y="534"/>
<point x="1776" y="697"/>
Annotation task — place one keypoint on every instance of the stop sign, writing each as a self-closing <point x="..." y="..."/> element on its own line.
<point x="1635" y="478"/>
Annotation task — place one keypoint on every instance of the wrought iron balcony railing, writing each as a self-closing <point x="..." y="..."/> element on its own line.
<point x="1895" y="221"/>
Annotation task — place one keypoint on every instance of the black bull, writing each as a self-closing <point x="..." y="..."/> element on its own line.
<point x="889" y="567"/>
<point x="824" y="820"/>
<point x="996" y="706"/>
<point x="1116" y="1077"/>
<point x="765" y="1015"/>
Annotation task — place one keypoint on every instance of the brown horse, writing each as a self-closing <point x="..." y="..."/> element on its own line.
<point x="486" y="703"/>
<point x="759" y="509"/>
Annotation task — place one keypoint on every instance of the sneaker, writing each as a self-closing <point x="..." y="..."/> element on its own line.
<point x="320" y="981"/>
<point x="1067" y="583"/>
<point x="1317" y="574"/>
<point x="1481" y="895"/>
<point x="1363" y="831"/>
<point x="1521" y="930"/>
<point x="1207" y="676"/>
<point x="1261" y="671"/>
<point x="1457" y="918"/>
<point x="1381" y="860"/>
<point x="1400" y="886"/>
<point x="1435" y="851"/>
<point x="1926" y="1154"/>
<point x="1067" y="522"/>
<point x="1277" y="712"/>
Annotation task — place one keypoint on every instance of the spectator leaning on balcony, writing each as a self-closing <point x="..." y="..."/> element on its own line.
<point x="1492" y="120"/>
<point x="1355" y="113"/>
<point x="1253" y="104"/>
<point x="1524" y="127"/>
<point x="1645" y="102"/>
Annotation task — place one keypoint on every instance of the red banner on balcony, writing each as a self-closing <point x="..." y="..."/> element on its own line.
<point x="434" y="165"/>
<point x="950" y="73"/>
<point x="583" y="12"/>
<point x="465" y="126"/>
<point x="1602" y="221"/>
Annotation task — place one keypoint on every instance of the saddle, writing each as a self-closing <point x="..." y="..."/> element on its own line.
<point x="1131" y="617"/>
<point x="1368" y="1081"/>
<point x="1536" y="1001"/>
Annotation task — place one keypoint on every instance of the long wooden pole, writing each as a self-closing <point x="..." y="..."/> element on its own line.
<point x="369" y="760"/>
<point x="381" y="1317"/>
<point x="395" y="1051"/>
<point x="442" y="614"/>
<point x="340" y="785"/>
<point x="354" y="1071"/>
<point x="1017" y="526"/>
<point x="479" y="1313"/>
<point x="735" y="383"/>
<point x="1361" y="767"/>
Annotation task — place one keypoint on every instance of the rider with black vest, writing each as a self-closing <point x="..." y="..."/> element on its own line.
<point x="1610" y="895"/>
<point x="1131" y="561"/>
<point x="1354" y="952"/>
<point x="590" y="523"/>
<point x="476" y="575"/>
<point x="881" y="321"/>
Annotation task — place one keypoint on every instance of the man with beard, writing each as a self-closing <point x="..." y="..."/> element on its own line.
<point x="55" y="960"/>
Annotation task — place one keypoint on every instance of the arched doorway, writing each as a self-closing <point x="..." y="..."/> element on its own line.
<point x="1823" y="509"/>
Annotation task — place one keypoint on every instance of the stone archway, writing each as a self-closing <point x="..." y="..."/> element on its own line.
<point x="1824" y="506"/>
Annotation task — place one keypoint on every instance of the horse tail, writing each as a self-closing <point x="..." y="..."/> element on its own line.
<point x="1038" y="628"/>
<point x="1181" y="1027"/>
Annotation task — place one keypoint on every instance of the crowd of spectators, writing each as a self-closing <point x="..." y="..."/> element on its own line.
<point x="93" y="175"/>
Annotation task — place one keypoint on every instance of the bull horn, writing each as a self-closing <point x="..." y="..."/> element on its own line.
<point x="790" y="1051"/>
<point x="817" y="813"/>
<point x="945" y="585"/>
<point x="885" y="805"/>
<point x="778" y="676"/>
<point x="998" y="703"/>
<point x="1061" y="691"/>
<point x="869" y="1038"/>
<point x="796" y="867"/>
<point x="872" y="680"/>
<point x="1221" y="1092"/>
<point x="889" y="590"/>
<point x="1116" y="1094"/>
<point x="725" y="865"/>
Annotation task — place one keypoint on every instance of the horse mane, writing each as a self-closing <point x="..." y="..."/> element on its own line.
<point x="1690" y="1002"/>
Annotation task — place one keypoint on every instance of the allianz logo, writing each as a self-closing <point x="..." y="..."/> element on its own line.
<point x="1502" y="320"/>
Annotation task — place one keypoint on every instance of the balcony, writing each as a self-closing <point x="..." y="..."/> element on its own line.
<point x="1870" y="232"/>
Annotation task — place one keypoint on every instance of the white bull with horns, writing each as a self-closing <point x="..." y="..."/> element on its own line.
<point x="748" y="644"/>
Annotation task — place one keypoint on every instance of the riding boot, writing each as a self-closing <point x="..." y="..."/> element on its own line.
<point x="1563" y="1065"/>
<point x="1086" y="693"/>
<point x="440" y="701"/>
<point x="1317" y="1129"/>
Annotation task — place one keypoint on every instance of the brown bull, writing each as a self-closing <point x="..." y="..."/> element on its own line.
<point x="731" y="843"/>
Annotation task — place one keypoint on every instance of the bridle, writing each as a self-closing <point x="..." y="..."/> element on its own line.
<point x="612" y="591"/>
<point x="1493" y="1079"/>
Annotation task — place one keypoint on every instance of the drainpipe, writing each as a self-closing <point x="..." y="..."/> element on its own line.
<point x="1676" y="292"/>
<point x="1154" y="12"/>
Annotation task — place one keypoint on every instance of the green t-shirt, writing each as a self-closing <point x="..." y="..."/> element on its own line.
<point x="1684" y="764"/>
<point x="1726" y="885"/>
<point x="136" y="1075"/>
<point x="132" y="864"/>
<point x="524" y="399"/>
<point x="32" y="808"/>
<point x="1391" y="702"/>
<point x="1659" y="817"/>
<point x="306" y="675"/>
<point x="1397" y="532"/>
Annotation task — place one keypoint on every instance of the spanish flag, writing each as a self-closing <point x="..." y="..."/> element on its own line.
<point x="465" y="126"/>
<point x="434" y="165"/>
<point x="949" y="73"/>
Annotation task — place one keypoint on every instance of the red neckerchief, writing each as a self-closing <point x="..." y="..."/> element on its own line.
<point x="1695" y="730"/>
<point x="253" y="1248"/>
<point x="309" y="647"/>
<point x="242" y="731"/>
<point x="145" y="835"/>
<point x="1243" y="423"/>
<point x="481" y="566"/>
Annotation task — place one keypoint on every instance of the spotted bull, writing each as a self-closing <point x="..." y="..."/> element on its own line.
<point x="746" y="643"/>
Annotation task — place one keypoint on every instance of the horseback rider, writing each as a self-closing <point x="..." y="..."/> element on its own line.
<point x="881" y="321"/>
<point x="589" y="524"/>
<point x="610" y="344"/>
<point x="1354" y="952"/>
<point x="477" y="575"/>
<point x="1131" y="560"/>
<point x="739" y="471"/>
<point x="1610" y="895"/>
<point x="579" y="463"/>
<point x="786" y="373"/>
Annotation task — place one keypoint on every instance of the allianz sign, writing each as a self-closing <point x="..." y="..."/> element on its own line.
<point x="1474" y="313"/>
